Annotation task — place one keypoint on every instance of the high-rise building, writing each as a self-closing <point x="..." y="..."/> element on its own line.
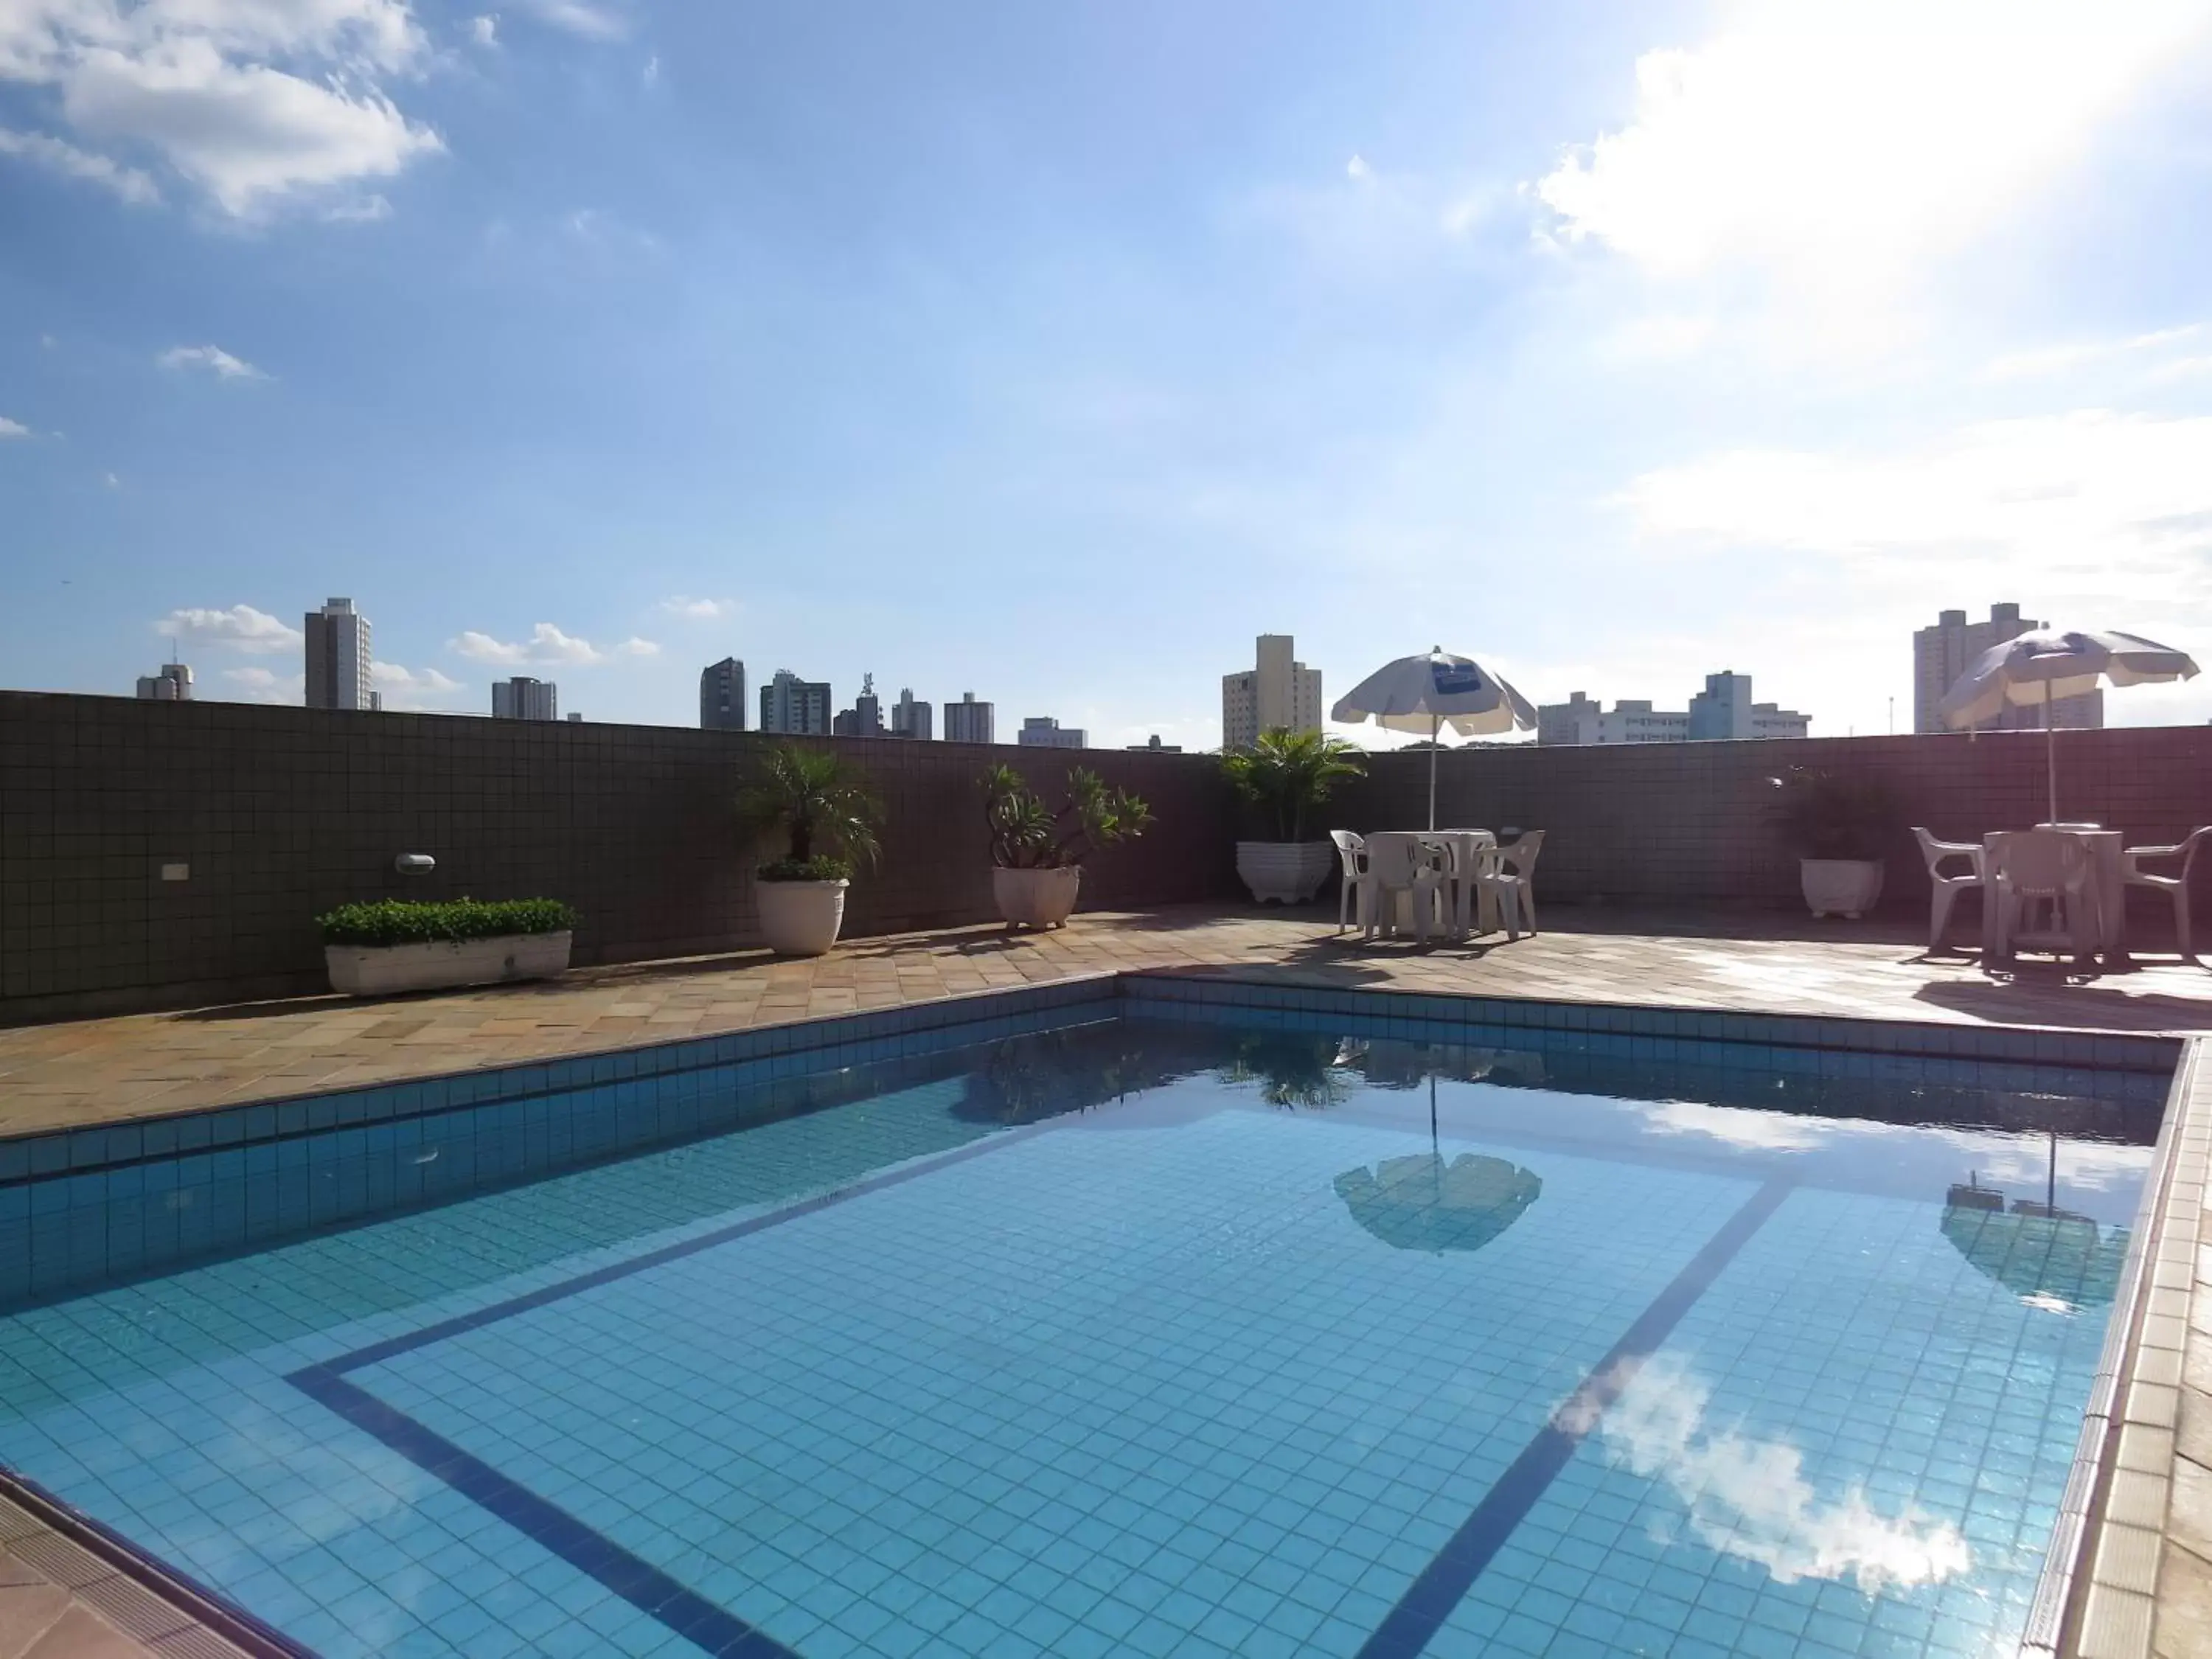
<point x="968" y="720"/>
<point x="722" y="695"/>
<point x="1277" y="690"/>
<point x="1722" y="710"/>
<point x="173" y="684"/>
<point x="865" y="718"/>
<point x="1942" y="653"/>
<point x="338" y="658"/>
<point x="910" y="718"/>
<point x="1043" y="732"/>
<point x="795" y="708"/>
<point x="523" y="698"/>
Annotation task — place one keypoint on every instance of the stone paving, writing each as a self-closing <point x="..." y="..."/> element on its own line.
<point x="59" y="1600"/>
<point x="90" y="1071"/>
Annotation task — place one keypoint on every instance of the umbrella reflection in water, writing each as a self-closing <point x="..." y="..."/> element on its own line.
<point x="2050" y="1258"/>
<point x="1430" y="1202"/>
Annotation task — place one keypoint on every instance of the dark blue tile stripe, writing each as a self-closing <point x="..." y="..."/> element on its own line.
<point x="639" y="1582"/>
<point x="460" y="1323"/>
<point x="1421" y="1611"/>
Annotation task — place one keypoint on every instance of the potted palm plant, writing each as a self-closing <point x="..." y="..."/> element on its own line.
<point x="1286" y="774"/>
<point x="1037" y="849"/>
<point x="1839" y="827"/>
<point x="828" y="817"/>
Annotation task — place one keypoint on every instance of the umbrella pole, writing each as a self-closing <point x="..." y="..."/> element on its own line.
<point x="1436" y="726"/>
<point x="2050" y="753"/>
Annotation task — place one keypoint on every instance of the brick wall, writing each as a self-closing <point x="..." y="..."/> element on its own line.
<point x="1689" y="823"/>
<point x="280" y="813"/>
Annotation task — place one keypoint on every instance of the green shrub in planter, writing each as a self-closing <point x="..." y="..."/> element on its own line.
<point x="813" y="869"/>
<point x="415" y="921"/>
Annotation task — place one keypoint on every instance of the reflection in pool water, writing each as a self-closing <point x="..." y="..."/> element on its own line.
<point x="1428" y="1202"/>
<point x="1748" y="1497"/>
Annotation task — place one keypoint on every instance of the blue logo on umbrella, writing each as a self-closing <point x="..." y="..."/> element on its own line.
<point x="1454" y="680"/>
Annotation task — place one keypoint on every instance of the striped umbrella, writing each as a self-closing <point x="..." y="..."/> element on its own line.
<point x="2047" y="664"/>
<point x="1427" y="693"/>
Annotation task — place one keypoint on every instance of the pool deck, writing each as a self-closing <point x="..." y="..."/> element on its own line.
<point x="2149" y="1587"/>
<point x="96" y="1071"/>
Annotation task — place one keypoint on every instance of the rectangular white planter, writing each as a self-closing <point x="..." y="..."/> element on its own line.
<point x="375" y="971"/>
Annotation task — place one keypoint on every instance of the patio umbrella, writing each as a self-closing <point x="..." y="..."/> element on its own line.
<point x="2046" y="664"/>
<point x="1427" y="693"/>
<point x="1430" y="1202"/>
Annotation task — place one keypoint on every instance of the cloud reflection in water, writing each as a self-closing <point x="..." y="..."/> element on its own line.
<point x="1749" y="1498"/>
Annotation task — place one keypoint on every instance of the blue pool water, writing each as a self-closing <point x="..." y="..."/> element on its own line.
<point x="1150" y="1333"/>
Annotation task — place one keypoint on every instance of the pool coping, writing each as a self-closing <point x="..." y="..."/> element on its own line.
<point x="52" y="1152"/>
<point x="2096" y="1594"/>
<point x="2104" y="1578"/>
<point x="81" y="1553"/>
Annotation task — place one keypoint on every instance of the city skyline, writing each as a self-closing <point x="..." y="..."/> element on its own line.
<point x="721" y="686"/>
<point x="1625" y="371"/>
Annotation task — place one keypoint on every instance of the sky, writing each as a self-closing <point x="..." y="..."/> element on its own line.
<point x="1052" y="352"/>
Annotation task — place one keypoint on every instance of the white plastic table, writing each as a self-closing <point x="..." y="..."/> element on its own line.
<point x="1401" y="909"/>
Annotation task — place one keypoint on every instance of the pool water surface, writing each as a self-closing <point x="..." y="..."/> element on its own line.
<point x="1157" y="1333"/>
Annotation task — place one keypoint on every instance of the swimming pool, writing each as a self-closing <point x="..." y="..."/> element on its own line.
<point x="1137" y="1326"/>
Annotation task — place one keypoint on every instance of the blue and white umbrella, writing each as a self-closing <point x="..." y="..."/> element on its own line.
<point x="2046" y="664"/>
<point x="1427" y="693"/>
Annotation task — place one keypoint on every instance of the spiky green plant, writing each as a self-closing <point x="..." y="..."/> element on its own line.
<point x="821" y="802"/>
<point x="1287" y="774"/>
<point x="1028" y="834"/>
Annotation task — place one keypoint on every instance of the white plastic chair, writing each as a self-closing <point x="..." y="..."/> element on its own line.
<point x="1400" y="864"/>
<point x="1519" y="862"/>
<point x="1505" y="893"/>
<point x="1356" y="895"/>
<point x="1944" y="890"/>
<point x="2132" y="874"/>
<point x="2045" y="874"/>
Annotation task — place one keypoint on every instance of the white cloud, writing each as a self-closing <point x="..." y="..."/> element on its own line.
<point x="241" y="628"/>
<point x="2042" y="362"/>
<point x="651" y="73"/>
<point x="112" y="480"/>
<point x="1750" y="1499"/>
<point x="258" y="102"/>
<point x="1839" y="147"/>
<point x="1357" y="169"/>
<point x="265" y="685"/>
<point x="13" y="429"/>
<point x="484" y="31"/>
<point x="61" y="157"/>
<point x="547" y="646"/>
<point x="580" y="18"/>
<point x="391" y="675"/>
<point x="2113" y="504"/>
<point x="412" y="688"/>
<point x="214" y="359"/>
<point x="698" y="610"/>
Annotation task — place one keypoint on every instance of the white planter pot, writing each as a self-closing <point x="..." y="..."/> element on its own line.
<point x="1291" y="872"/>
<point x="800" y="918"/>
<point x="376" y="970"/>
<point x="1036" y="898"/>
<point x="1845" y="887"/>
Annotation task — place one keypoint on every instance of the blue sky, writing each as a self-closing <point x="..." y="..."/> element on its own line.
<point x="1054" y="352"/>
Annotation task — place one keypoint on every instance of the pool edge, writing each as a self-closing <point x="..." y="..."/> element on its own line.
<point x="2100" y="1592"/>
